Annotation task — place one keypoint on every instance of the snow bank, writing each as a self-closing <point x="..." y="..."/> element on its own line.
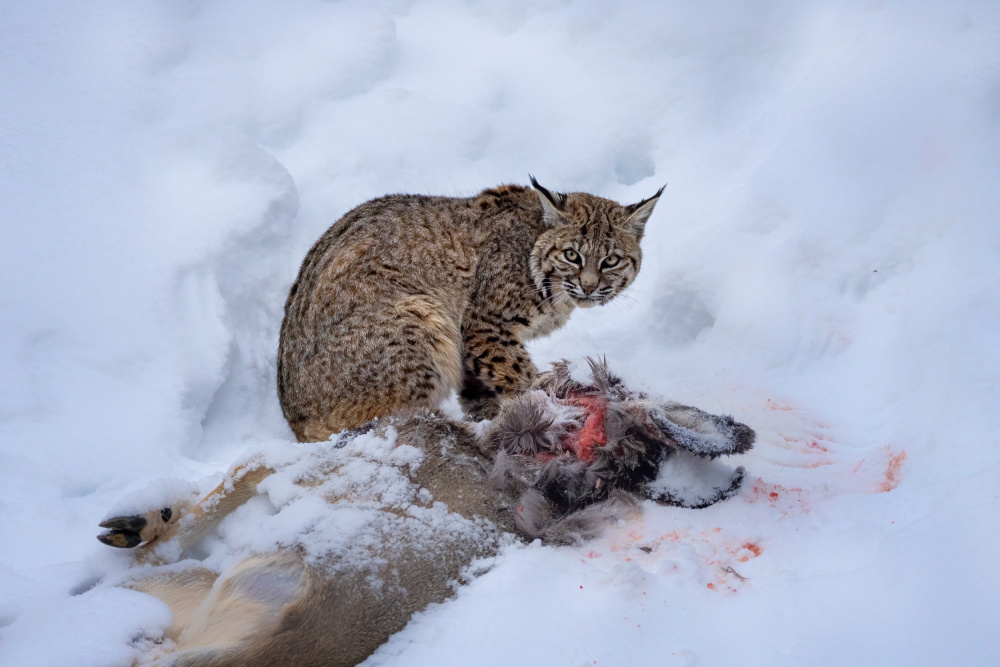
<point x="822" y="265"/>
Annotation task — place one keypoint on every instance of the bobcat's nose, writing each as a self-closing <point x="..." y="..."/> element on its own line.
<point x="589" y="281"/>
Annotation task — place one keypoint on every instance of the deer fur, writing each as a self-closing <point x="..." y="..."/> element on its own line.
<point x="559" y="463"/>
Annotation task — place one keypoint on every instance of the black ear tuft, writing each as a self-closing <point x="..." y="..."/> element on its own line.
<point x="632" y="208"/>
<point x="554" y="197"/>
<point x="552" y="202"/>
<point x="639" y="213"/>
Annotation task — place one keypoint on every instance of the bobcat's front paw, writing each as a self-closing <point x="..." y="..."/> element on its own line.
<point x="478" y="410"/>
<point x="125" y="532"/>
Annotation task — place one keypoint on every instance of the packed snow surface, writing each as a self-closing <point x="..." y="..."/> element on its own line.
<point x="823" y="265"/>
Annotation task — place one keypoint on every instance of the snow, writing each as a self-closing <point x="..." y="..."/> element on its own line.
<point x="822" y="265"/>
<point x="365" y="475"/>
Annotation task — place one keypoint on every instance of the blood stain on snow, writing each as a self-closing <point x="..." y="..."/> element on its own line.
<point x="886" y="478"/>
<point x="778" y="496"/>
<point x="891" y="480"/>
<point x="818" y="464"/>
<point x="796" y="440"/>
<point x="747" y="551"/>
<point x="793" y="444"/>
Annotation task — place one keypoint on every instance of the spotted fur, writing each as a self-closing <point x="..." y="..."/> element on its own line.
<point x="409" y="297"/>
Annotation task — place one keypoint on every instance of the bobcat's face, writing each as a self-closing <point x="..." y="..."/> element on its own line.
<point x="593" y="262"/>
<point x="591" y="253"/>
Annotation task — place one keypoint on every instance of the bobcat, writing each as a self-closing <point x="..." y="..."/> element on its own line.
<point x="410" y="504"/>
<point x="409" y="297"/>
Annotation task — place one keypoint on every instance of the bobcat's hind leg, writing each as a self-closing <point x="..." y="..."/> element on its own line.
<point x="411" y="364"/>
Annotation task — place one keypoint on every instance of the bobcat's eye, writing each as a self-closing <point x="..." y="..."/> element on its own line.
<point x="610" y="262"/>
<point x="571" y="255"/>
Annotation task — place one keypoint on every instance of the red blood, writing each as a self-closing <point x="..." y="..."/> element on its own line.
<point x="892" y="473"/>
<point x="583" y="442"/>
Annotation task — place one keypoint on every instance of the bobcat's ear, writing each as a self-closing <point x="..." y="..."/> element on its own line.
<point x="639" y="213"/>
<point x="552" y="203"/>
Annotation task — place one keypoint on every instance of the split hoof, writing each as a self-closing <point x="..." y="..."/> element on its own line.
<point x="125" y="532"/>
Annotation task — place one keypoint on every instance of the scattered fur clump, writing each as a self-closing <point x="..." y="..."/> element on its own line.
<point x="566" y="447"/>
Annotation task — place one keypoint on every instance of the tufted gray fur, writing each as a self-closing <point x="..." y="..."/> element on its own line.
<point x="640" y="433"/>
